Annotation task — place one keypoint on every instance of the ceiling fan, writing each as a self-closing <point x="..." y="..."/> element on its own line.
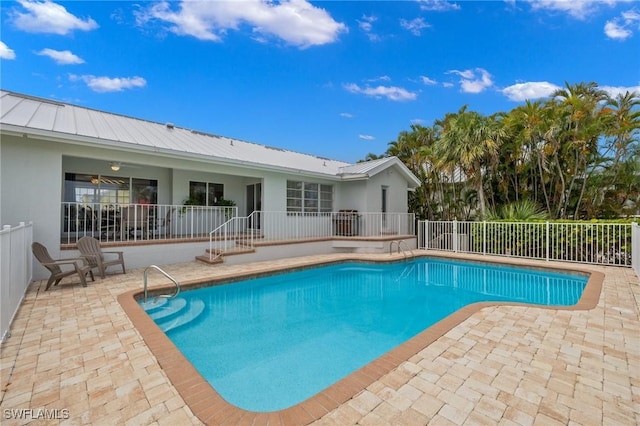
<point x="117" y="165"/>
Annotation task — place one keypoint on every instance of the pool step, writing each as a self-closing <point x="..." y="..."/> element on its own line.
<point x="172" y="307"/>
<point x="191" y="312"/>
<point x="153" y="304"/>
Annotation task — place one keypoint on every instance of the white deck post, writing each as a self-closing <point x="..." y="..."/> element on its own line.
<point x="455" y="235"/>
<point x="484" y="237"/>
<point x="547" y="239"/>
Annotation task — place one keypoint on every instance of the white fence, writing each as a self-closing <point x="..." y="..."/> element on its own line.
<point x="140" y="222"/>
<point x="241" y="232"/>
<point x="635" y="250"/>
<point x="595" y="243"/>
<point x="279" y="226"/>
<point x="15" y="271"/>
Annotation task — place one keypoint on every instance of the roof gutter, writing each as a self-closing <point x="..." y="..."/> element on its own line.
<point x="69" y="138"/>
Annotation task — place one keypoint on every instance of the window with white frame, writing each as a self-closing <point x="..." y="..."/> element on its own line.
<point x="308" y="197"/>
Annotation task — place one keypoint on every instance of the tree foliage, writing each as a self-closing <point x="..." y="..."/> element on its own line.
<point x="575" y="155"/>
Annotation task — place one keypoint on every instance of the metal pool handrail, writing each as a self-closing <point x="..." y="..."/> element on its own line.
<point x="399" y="244"/>
<point x="157" y="268"/>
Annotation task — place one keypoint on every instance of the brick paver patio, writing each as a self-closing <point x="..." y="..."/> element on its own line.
<point x="75" y="350"/>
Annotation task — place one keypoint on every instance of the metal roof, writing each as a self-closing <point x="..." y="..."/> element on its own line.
<point x="366" y="169"/>
<point x="23" y="114"/>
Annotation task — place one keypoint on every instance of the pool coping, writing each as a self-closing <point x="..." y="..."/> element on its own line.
<point x="209" y="406"/>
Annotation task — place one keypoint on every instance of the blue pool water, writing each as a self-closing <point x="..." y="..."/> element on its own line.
<point x="269" y="343"/>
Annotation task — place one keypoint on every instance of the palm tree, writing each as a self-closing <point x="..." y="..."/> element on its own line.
<point x="518" y="211"/>
<point x="579" y="106"/>
<point x="528" y="123"/>
<point x="371" y="156"/>
<point x="414" y="148"/>
<point x="471" y="141"/>
<point x="619" y="181"/>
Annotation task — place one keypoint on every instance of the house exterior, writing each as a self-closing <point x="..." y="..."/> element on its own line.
<point x="76" y="171"/>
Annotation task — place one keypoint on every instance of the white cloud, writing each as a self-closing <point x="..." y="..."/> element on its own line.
<point x="621" y="28"/>
<point x="473" y="81"/>
<point x="48" y="17"/>
<point x="631" y="15"/>
<point x="428" y="81"/>
<point x="381" y="78"/>
<point x="390" y="92"/>
<point x="5" y="52"/>
<point x="297" y="22"/>
<point x="346" y="115"/>
<point x="62" y="57"/>
<point x="620" y="90"/>
<point x="530" y="90"/>
<point x="414" y="26"/>
<point x="366" y="137"/>
<point x="366" y="25"/>
<point x="463" y="74"/>
<point x="616" y="31"/>
<point x="438" y="5"/>
<point x="107" y="84"/>
<point x="579" y="9"/>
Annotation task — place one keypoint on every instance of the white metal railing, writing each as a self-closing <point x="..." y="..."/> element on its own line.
<point x="278" y="225"/>
<point x="16" y="271"/>
<point x="635" y="250"/>
<point x="140" y="222"/>
<point x="235" y="235"/>
<point x="240" y="233"/>
<point x="596" y="243"/>
<point x="145" y="280"/>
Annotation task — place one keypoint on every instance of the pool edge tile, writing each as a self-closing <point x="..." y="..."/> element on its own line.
<point x="209" y="406"/>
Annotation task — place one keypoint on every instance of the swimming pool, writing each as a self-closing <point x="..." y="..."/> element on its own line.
<point x="268" y="343"/>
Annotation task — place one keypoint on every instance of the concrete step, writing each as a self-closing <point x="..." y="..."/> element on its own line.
<point x="237" y="250"/>
<point x="205" y="258"/>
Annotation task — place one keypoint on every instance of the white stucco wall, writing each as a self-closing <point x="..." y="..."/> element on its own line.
<point x="396" y="192"/>
<point x="352" y="195"/>
<point x="31" y="190"/>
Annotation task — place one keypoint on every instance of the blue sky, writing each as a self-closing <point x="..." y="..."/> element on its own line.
<point x="336" y="79"/>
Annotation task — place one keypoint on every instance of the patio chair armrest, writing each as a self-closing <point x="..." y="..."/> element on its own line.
<point x="73" y="261"/>
<point x="119" y="254"/>
<point x="82" y="258"/>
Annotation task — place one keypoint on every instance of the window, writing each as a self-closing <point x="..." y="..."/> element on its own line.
<point x="326" y="198"/>
<point x="205" y="193"/>
<point x="144" y="191"/>
<point x="294" y="196"/>
<point x="306" y="197"/>
<point x="86" y="188"/>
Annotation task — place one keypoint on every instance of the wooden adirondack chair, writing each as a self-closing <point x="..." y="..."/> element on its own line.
<point x="91" y="251"/>
<point x="80" y="266"/>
